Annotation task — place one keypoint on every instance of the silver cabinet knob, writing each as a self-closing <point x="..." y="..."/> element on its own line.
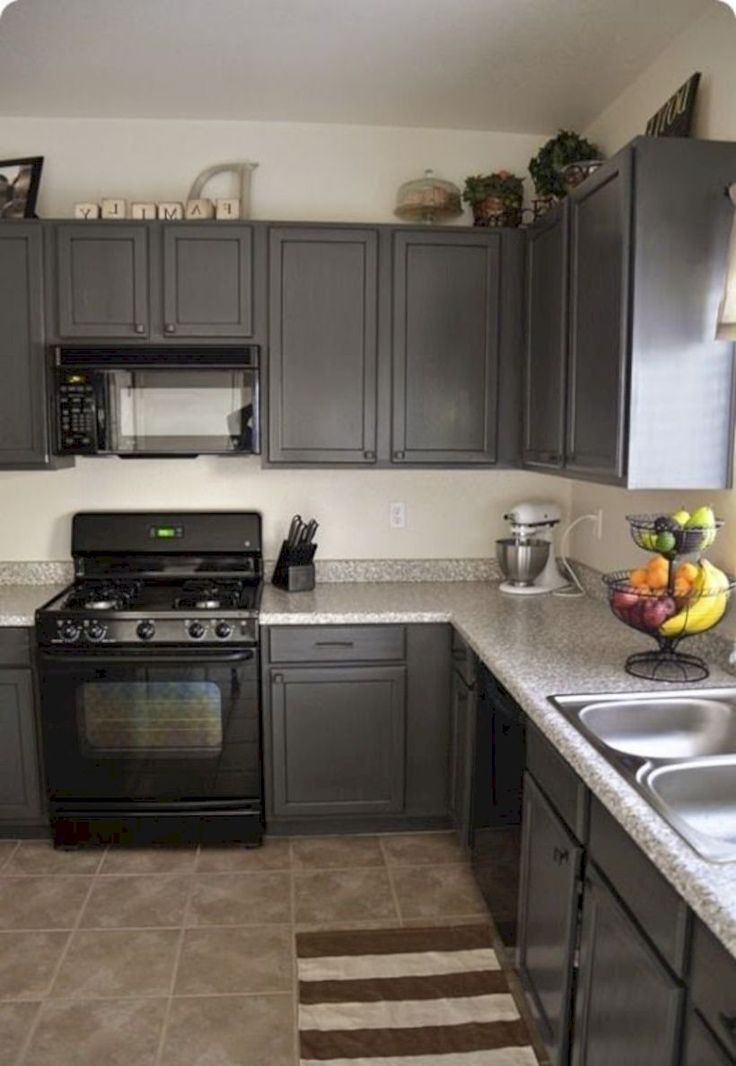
<point x="169" y="328"/>
<point x="398" y="455"/>
<point x="370" y="456"/>
<point x="140" y="328"/>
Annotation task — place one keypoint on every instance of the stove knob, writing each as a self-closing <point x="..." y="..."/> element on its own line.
<point x="146" y="630"/>
<point x="223" y="630"/>
<point x="196" y="630"/>
<point x="69" y="630"/>
<point x="96" y="631"/>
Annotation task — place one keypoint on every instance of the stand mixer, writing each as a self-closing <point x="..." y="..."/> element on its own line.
<point x="526" y="557"/>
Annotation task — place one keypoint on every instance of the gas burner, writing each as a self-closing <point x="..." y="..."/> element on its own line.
<point x="102" y="605"/>
<point x="207" y="605"/>
<point x="209" y="595"/>
<point x="103" y="595"/>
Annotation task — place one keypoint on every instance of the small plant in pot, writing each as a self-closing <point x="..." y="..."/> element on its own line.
<point x="496" y="199"/>
<point x="560" y="164"/>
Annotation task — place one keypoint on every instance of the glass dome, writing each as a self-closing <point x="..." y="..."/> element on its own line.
<point x="428" y="199"/>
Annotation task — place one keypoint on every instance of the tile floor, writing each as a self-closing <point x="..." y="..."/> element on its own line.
<point x="186" y="958"/>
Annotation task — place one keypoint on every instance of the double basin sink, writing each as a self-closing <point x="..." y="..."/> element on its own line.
<point x="679" y="752"/>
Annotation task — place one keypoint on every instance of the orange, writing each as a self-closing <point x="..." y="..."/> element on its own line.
<point x="658" y="562"/>
<point x="657" y="578"/>
<point x="688" y="571"/>
<point x="682" y="588"/>
<point x="638" y="578"/>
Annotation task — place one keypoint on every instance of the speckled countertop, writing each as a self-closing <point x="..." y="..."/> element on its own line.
<point x="18" y="603"/>
<point x="538" y="647"/>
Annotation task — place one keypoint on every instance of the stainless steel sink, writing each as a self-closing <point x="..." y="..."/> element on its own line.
<point x="678" y="750"/>
<point x="698" y="798"/>
<point x="663" y="728"/>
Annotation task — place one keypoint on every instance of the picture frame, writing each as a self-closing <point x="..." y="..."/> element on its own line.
<point x="19" y="182"/>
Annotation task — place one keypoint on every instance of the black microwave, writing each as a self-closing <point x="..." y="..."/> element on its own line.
<point x="156" y="401"/>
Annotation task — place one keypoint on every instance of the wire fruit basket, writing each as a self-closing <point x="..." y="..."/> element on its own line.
<point x="667" y="600"/>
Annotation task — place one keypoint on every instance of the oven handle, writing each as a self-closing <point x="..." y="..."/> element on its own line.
<point x="187" y="656"/>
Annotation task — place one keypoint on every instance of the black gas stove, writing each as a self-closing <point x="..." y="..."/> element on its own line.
<point x="149" y="680"/>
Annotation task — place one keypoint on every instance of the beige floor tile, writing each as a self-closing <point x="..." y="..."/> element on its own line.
<point x="15" y="1021"/>
<point x="236" y="959"/>
<point x="326" y="896"/>
<point x="274" y="854"/>
<point x="240" y="899"/>
<point x="118" y="962"/>
<point x="348" y="923"/>
<point x="231" y="1031"/>
<point x="322" y="853"/>
<point x="435" y="892"/>
<point x="41" y="857"/>
<point x="442" y="920"/>
<point x="41" y="902"/>
<point x="135" y="902"/>
<point x="102" y="1033"/>
<point x="420" y="849"/>
<point x="149" y="861"/>
<point x="27" y="963"/>
<point x="7" y="847"/>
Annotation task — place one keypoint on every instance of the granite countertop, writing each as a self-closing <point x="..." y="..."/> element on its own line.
<point x="19" y="603"/>
<point x="539" y="647"/>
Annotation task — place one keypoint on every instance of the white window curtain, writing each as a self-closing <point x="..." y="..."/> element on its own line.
<point x="726" y="329"/>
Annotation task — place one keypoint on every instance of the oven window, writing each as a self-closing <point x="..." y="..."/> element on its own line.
<point x="184" y="411"/>
<point x="155" y="716"/>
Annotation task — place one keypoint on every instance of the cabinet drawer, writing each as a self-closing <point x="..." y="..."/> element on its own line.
<point x="15" y="646"/>
<point x="320" y="644"/>
<point x="713" y="985"/>
<point x="658" y="909"/>
<point x="560" y="782"/>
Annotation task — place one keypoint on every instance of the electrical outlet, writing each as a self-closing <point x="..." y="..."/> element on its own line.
<point x="397" y="515"/>
<point x="598" y="524"/>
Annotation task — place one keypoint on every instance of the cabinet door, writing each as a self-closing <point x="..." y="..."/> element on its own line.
<point x="548" y="912"/>
<point x="600" y="248"/>
<point x="337" y="738"/>
<point x="701" y="1047"/>
<point x="628" y="1008"/>
<point x="20" y="796"/>
<point x="323" y="315"/>
<point x="546" y="340"/>
<point x="102" y="277"/>
<point x="208" y="280"/>
<point x="23" y="403"/>
<point x="445" y="347"/>
<point x="462" y="753"/>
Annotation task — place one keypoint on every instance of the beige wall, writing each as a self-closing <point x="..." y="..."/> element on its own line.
<point x="307" y="172"/>
<point x="709" y="46"/>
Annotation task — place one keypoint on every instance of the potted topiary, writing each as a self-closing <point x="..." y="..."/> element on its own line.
<point x="496" y="199"/>
<point x="560" y="164"/>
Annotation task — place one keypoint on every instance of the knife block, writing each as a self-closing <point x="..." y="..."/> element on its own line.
<point x="294" y="569"/>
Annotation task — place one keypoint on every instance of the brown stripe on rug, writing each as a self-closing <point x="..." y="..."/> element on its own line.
<point x="430" y="997"/>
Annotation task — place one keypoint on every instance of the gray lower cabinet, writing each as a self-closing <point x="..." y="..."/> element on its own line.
<point x="701" y="1047"/>
<point x="102" y="281"/>
<point x="628" y="1006"/>
<point x="551" y="861"/>
<point x="23" y="413"/>
<point x="323" y="338"/>
<point x="545" y="363"/>
<point x="462" y="740"/>
<point x="21" y="803"/>
<point x="713" y="988"/>
<point x="446" y="330"/>
<point x="338" y="736"/>
<point x="208" y="280"/>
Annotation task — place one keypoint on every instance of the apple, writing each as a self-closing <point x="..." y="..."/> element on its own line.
<point x="624" y="599"/>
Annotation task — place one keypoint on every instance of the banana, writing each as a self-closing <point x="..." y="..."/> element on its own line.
<point x="706" y="607"/>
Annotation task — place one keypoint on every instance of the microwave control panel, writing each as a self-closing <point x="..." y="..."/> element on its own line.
<point x="76" y="409"/>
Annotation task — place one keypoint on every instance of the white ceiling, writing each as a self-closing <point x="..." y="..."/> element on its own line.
<point x="523" y="65"/>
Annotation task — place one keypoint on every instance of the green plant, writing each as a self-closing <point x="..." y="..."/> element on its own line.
<point x="547" y="165"/>
<point x="503" y="184"/>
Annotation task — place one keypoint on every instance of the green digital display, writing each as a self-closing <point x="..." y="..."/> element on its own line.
<point x="165" y="532"/>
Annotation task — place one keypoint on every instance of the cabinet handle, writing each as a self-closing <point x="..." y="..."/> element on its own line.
<point x="169" y="328"/>
<point x="398" y="455"/>
<point x="278" y="679"/>
<point x="140" y="328"/>
<point x="560" y="855"/>
<point x="334" y="643"/>
<point x="369" y="455"/>
<point x="728" y="1021"/>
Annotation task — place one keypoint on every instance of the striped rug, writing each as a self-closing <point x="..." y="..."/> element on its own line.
<point x="407" y="997"/>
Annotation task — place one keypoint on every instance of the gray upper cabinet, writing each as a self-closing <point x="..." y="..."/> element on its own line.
<point x="600" y="239"/>
<point x="23" y="419"/>
<point x="628" y="1007"/>
<point x="337" y="740"/>
<point x="546" y="341"/>
<point x="323" y="334"/>
<point x="207" y="280"/>
<point x="102" y="281"/>
<point x="446" y="347"/>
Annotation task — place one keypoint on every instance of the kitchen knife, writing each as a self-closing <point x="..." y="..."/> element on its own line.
<point x="295" y="530"/>
<point x="312" y="527"/>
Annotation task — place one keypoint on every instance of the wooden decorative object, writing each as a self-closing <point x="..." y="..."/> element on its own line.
<point x="87" y="210"/>
<point x="113" y="207"/>
<point x="243" y="172"/>
<point x="170" y="210"/>
<point x="195" y="209"/>
<point x="145" y="209"/>
<point x="675" y="117"/>
<point x="228" y="208"/>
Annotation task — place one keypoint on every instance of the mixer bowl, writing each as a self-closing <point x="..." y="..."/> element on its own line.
<point x="522" y="561"/>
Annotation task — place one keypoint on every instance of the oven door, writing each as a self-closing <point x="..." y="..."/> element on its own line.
<point x="151" y="726"/>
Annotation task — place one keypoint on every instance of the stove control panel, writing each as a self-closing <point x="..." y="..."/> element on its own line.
<point x="79" y="630"/>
